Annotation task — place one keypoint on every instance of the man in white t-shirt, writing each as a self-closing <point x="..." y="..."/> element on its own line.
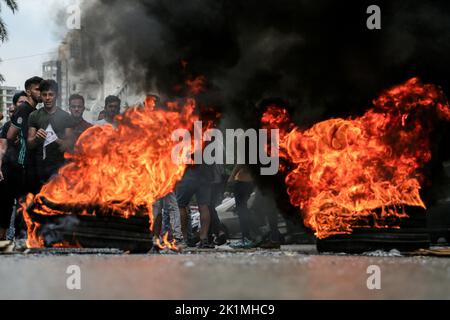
<point x="112" y="110"/>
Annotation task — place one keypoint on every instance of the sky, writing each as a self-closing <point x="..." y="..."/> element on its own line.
<point x="32" y="32"/>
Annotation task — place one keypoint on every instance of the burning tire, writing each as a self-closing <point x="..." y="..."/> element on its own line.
<point x="412" y="235"/>
<point x="75" y="230"/>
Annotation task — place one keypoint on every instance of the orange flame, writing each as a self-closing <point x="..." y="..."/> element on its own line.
<point x="125" y="169"/>
<point x="196" y="85"/>
<point x="150" y="102"/>
<point x="33" y="238"/>
<point x="361" y="172"/>
<point x="166" y="244"/>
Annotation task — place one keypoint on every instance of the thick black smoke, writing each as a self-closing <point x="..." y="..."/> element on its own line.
<point x="317" y="55"/>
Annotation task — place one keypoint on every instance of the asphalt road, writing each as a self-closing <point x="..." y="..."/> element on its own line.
<point x="293" y="273"/>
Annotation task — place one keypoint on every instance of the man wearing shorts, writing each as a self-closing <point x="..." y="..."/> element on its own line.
<point x="197" y="181"/>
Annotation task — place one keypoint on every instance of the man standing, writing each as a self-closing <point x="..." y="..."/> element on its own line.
<point x="50" y="133"/>
<point x="197" y="180"/>
<point x="112" y="110"/>
<point x="166" y="217"/>
<point x="243" y="187"/>
<point x="76" y="108"/>
<point x="10" y="170"/>
<point x="19" y="130"/>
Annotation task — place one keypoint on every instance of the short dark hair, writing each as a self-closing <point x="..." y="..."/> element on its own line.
<point x="111" y="99"/>
<point x="76" y="96"/>
<point x="49" y="85"/>
<point x="18" y="95"/>
<point x="32" y="81"/>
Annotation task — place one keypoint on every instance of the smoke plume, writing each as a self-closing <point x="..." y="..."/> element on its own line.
<point x="318" y="56"/>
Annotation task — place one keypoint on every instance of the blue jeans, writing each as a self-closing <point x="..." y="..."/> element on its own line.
<point x="168" y="207"/>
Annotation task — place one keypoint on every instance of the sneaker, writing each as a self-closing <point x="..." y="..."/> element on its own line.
<point x="156" y="240"/>
<point x="182" y="245"/>
<point x="220" y="239"/>
<point x="192" y="242"/>
<point x="269" y="244"/>
<point x="247" y="244"/>
<point x="205" y="244"/>
<point x="243" y="244"/>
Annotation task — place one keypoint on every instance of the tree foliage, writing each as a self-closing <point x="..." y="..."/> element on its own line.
<point x="11" y="4"/>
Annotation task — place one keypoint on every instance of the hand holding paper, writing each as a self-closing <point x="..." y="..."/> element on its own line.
<point x="51" y="136"/>
<point x="49" y="139"/>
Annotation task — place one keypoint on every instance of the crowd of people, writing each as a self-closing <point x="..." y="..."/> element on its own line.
<point x="38" y="133"/>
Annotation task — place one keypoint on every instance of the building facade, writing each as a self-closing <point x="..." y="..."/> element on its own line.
<point x="52" y="70"/>
<point x="72" y="58"/>
<point x="6" y="100"/>
<point x="90" y="74"/>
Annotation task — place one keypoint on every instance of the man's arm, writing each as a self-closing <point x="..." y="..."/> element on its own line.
<point x="17" y="121"/>
<point x="234" y="172"/>
<point x="13" y="133"/>
<point x="34" y="136"/>
<point x="68" y="142"/>
<point x="3" y="147"/>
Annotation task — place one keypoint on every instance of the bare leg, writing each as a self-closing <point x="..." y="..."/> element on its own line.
<point x="184" y="223"/>
<point x="2" y="234"/>
<point x="157" y="226"/>
<point x="205" y="220"/>
<point x="157" y="219"/>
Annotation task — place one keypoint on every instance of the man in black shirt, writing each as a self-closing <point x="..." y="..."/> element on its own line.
<point x="19" y="130"/>
<point x="50" y="133"/>
<point x="9" y="151"/>
<point x="10" y="170"/>
<point x="197" y="180"/>
<point x="19" y="127"/>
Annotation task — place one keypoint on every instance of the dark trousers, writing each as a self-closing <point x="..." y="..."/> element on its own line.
<point x="242" y="192"/>
<point x="272" y="217"/>
<point x="217" y="190"/>
<point x="44" y="171"/>
<point x="10" y="189"/>
<point x="267" y="210"/>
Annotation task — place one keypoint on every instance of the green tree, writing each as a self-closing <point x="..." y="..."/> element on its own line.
<point x="12" y="4"/>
